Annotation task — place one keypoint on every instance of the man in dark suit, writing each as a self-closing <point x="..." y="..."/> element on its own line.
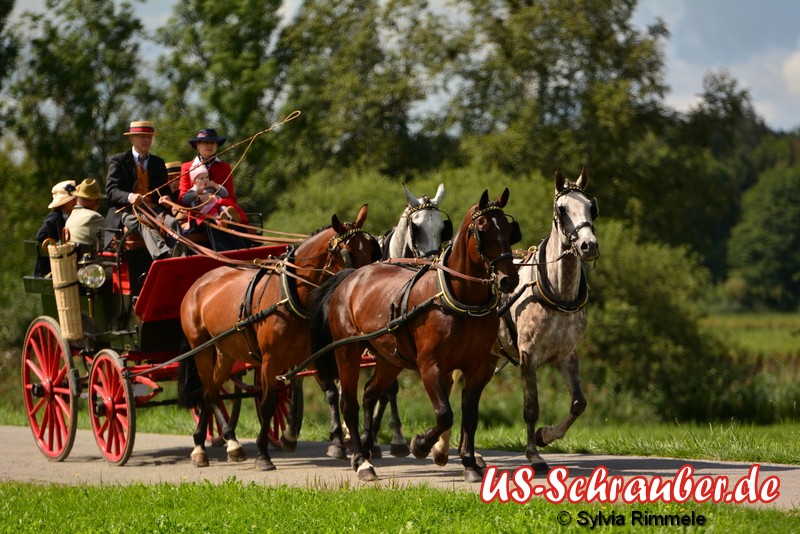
<point x="138" y="178"/>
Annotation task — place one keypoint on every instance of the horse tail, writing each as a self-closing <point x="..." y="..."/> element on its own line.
<point x="320" y="330"/>
<point x="190" y="387"/>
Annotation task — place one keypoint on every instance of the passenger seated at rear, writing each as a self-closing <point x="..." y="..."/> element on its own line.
<point x="55" y="222"/>
<point x="85" y="223"/>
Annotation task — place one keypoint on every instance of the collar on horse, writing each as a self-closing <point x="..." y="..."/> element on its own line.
<point x="459" y="307"/>
<point x="543" y="292"/>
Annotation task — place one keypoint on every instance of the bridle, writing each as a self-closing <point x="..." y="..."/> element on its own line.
<point x="335" y="246"/>
<point x="572" y="236"/>
<point x="477" y="235"/>
<point x="411" y="210"/>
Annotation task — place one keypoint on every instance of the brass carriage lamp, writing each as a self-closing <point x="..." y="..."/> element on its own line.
<point x="92" y="276"/>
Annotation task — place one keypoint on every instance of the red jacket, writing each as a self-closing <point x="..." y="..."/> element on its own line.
<point x="220" y="172"/>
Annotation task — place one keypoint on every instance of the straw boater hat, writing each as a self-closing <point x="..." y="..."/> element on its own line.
<point x="62" y="193"/>
<point x="141" y="128"/>
<point x="207" y="134"/>
<point x="173" y="167"/>
<point x="89" y="189"/>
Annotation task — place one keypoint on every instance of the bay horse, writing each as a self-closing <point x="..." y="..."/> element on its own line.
<point x="267" y="311"/>
<point x="436" y="319"/>
<point x="548" y="320"/>
<point x="419" y="234"/>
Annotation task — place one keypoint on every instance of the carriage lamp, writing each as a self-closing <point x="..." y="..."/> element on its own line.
<point x="90" y="274"/>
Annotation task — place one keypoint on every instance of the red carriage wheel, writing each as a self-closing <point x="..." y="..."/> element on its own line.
<point x="50" y="388"/>
<point x="111" y="406"/>
<point x="230" y="409"/>
<point x="287" y="406"/>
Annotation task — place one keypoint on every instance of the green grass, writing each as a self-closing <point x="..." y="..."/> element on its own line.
<point x="775" y="335"/>
<point x="237" y="507"/>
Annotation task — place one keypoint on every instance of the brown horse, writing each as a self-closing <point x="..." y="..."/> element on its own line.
<point x="435" y="320"/>
<point x="260" y="319"/>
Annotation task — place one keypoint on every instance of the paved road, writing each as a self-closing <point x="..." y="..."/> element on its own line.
<point x="163" y="458"/>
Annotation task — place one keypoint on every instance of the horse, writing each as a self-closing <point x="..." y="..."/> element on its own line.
<point x="266" y="325"/>
<point x="547" y="321"/>
<point x="418" y="234"/>
<point x="436" y="319"/>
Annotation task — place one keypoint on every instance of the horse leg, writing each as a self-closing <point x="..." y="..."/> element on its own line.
<point x="437" y="385"/>
<point x="234" y="449"/>
<point x="348" y="359"/>
<point x="530" y="413"/>
<point x="570" y="371"/>
<point x="269" y="402"/>
<point x="399" y="444"/>
<point x="199" y="457"/>
<point x="470" y="399"/>
<point x="441" y="451"/>
<point x="294" y="417"/>
<point x="337" y="447"/>
<point x="384" y="376"/>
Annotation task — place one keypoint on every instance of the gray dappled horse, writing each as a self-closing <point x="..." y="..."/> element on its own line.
<point x="547" y="322"/>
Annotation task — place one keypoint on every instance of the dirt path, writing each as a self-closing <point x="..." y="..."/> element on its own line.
<point x="164" y="458"/>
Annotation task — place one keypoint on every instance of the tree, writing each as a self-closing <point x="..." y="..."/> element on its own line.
<point x="552" y="83"/>
<point x="764" y="247"/>
<point x="350" y="72"/>
<point x="220" y="71"/>
<point x="8" y="47"/>
<point x="74" y="85"/>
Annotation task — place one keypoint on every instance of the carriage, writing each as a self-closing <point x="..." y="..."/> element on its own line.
<point x="125" y="348"/>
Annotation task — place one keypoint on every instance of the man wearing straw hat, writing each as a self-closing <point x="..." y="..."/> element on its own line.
<point x="85" y="222"/>
<point x="138" y="178"/>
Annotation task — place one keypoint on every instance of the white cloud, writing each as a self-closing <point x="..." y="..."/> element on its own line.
<point x="791" y="74"/>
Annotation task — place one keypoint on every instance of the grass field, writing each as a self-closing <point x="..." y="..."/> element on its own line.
<point x="623" y="427"/>
<point x="236" y="507"/>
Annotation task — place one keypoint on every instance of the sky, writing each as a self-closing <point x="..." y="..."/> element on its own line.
<point x="756" y="41"/>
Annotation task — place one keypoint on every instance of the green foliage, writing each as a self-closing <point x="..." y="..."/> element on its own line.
<point x="74" y="86"/>
<point x="764" y="248"/>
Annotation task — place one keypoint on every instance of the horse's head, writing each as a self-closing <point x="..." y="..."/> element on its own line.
<point x="421" y="229"/>
<point x="492" y="234"/>
<point x="574" y="212"/>
<point x="351" y="247"/>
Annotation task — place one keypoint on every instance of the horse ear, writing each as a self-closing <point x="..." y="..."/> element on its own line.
<point x="484" y="201"/>
<point x="559" y="180"/>
<point x="412" y="200"/>
<point x="583" y="179"/>
<point x="503" y="199"/>
<point x="337" y="225"/>
<point x="361" y="217"/>
<point x="439" y="195"/>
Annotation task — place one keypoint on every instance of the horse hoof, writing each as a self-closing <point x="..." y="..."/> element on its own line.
<point x="237" y="455"/>
<point x="441" y="458"/>
<point x="473" y="475"/>
<point x="199" y="460"/>
<point x="288" y="445"/>
<point x="399" y="450"/>
<point x="337" y="451"/>
<point x="376" y="452"/>
<point x="539" y="438"/>
<point x="366" y="473"/>
<point x="417" y="450"/>
<point x="480" y="461"/>
<point x="540" y="467"/>
<point x="264" y="464"/>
